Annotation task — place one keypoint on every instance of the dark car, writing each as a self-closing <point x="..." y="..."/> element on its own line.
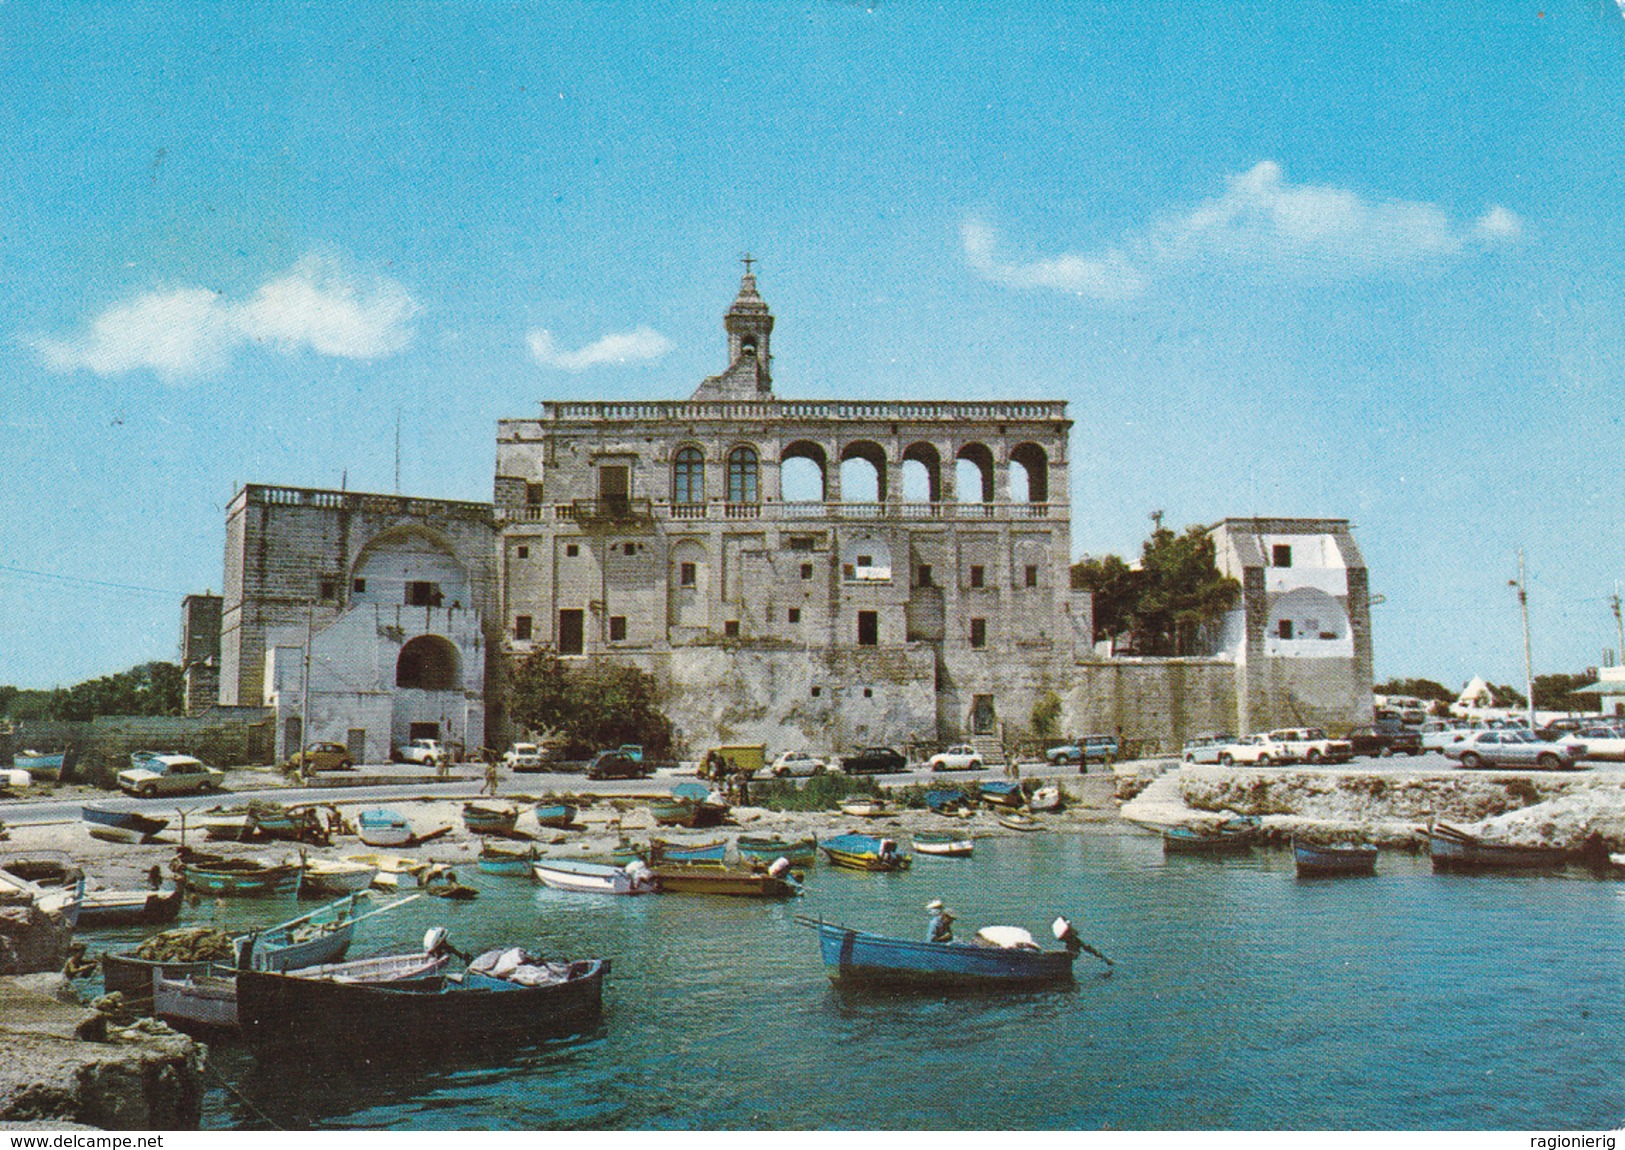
<point x="874" y="761"/>
<point x="1385" y="739"/>
<point x="1565" y="725"/>
<point x="617" y="765"/>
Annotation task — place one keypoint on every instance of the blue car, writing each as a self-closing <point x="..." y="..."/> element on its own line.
<point x="1089" y="749"/>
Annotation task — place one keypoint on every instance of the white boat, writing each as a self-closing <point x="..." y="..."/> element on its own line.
<point x="391" y="868"/>
<point x="1045" y="799"/>
<point x="223" y="825"/>
<point x="336" y="877"/>
<point x="384" y="828"/>
<point x="944" y="844"/>
<point x="865" y="808"/>
<point x="595" y="878"/>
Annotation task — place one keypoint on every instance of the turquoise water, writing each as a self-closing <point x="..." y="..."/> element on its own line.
<point x="1243" y="998"/>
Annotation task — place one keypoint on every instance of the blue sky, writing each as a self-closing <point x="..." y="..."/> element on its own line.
<point x="1281" y="259"/>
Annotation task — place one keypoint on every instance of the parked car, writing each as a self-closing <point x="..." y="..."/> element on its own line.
<point x="1206" y="748"/>
<point x="960" y="757"/>
<point x="1567" y="725"/>
<point x="424" y="752"/>
<point x="170" y="775"/>
<point x="523" y="757"/>
<point x="1259" y="750"/>
<point x="1383" y="739"/>
<point x="797" y="763"/>
<point x="874" y="761"/>
<point x="1437" y="734"/>
<point x="1514" y="748"/>
<point x="1313" y="745"/>
<point x="321" y="757"/>
<point x="1089" y="749"/>
<point x="1597" y="742"/>
<point x="616" y="765"/>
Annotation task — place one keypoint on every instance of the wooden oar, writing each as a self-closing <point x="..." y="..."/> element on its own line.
<point x="382" y="909"/>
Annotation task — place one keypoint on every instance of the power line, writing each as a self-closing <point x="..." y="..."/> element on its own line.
<point x="87" y="582"/>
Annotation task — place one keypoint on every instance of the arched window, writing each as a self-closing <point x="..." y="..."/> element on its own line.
<point x="688" y="476"/>
<point x="742" y="476"/>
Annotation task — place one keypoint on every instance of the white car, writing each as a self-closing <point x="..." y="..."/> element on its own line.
<point x="1260" y="750"/>
<point x="1438" y="736"/>
<point x="1599" y="742"/>
<point x="169" y="775"/>
<point x="1206" y="748"/>
<point x="424" y="752"/>
<point x="797" y="763"/>
<point x="1312" y="745"/>
<point x="523" y="757"/>
<point x="961" y="757"/>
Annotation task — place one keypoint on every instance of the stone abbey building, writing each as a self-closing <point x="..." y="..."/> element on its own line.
<point x="712" y="542"/>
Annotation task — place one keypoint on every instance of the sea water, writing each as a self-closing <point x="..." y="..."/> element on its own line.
<point x="1242" y="998"/>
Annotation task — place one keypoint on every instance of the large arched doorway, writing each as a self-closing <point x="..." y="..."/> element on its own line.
<point x="427" y="663"/>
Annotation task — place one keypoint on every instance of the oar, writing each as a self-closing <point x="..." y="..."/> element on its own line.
<point x="1085" y="946"/>
<point x="382" y="909"/>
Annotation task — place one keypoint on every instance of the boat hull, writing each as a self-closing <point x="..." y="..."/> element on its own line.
<point x="489" y="820"/>
<point x="129" y="908"/>
<point x="590" y="878"/>
<point x="121" y="826"/>
<point x="699" y="854"/>
<point x="863" y="852"/>
<point x="1184" y="840"/>
<point x="709" y="880"/>
<point x="802" y="852"/>
<point x="558" y="817"/>
<point x="944" y="846"/>
<point x="272" y="880"/>
<point x="859" y="958"/>
<point x="1450" y="852"/>
<point x="1005" y="795"/>
<point x="328" y="878"/>
<point x="1314" y="860"/>
<point x="384" y="829"/>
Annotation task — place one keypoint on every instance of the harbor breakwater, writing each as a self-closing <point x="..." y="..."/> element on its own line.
<point x="1583" y="811"/>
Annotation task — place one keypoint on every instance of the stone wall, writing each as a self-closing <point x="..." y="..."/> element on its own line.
<point x="99" y="749"/>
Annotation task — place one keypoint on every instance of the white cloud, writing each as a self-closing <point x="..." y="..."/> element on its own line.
<point x="641" y="343"/>
<point x="183" y="333"/>
<point x="1262" y="220"/>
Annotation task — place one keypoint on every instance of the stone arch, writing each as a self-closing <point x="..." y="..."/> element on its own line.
<point x="803" y="473"/>
<point x="1307" y="619"/>
<point x="428" y="663"/>
<point x="1033" y="463"/>
<point x="865" y="451"/>
<point x="412" y="565"/>
<point x="922" y="469"/>
<point x="974" y="461"/>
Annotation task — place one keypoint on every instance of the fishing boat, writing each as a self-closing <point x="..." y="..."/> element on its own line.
<point x="694" y="854"/>
<point x="944" y="844"/>
<point x="861" y="958"/>
<point x="864" y="852"/>
<point x="332" y="877"/>
<point x="121" y="826"/>
<point x="1017" y="821"/>
<point x="235" y="877"/>
<point x="627" y="851"/>
<point x="97" y="908"/>
<point x="57" y="908"/>
<point x="40" y="766"/>
<point x="595" y="878"/>
<point x="223" y="824"/>
<point x="489" y="818"/>
<point x="1046" y="798"/>
<point x="496" y="859"/>
<point x="1455" y="849"/>
<point x="773" y="882"/>
<point x="302" y="823"/>
<point x="1001" y="793"/>
<point x="1230" y="837"/>
<point x="391" y="868"/>
<point x="556" y="816"/>
<point x="946" y="800"/>
<point x="384" y="828"/>
<point x="690" y="805"/>
<point x="14" y="779"/>
<point x="1325" y="859"/>
<point x="326" y="1016"/>
<point x="801" y="852"/>
<point x="865" y="808"/>
<point x="207" y="1001"/>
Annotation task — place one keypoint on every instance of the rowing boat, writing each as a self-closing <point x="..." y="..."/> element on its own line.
<point x="1315" y="860"/>
<point x="865" y="959"/>
<point x="944" y="844"/>
<point x="594" y="878"/>
<point x="801" y="852"/>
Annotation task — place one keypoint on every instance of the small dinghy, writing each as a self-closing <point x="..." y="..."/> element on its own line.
<point x="944" y="844"/>
<point x="595" y="878"/>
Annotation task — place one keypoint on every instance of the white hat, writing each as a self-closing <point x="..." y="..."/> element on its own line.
<point x="934" y="904"/>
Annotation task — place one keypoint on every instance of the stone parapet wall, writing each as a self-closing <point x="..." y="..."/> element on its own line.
<point x="99" y="749"/>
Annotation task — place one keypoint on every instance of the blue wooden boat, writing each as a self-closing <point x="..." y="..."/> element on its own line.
<point x="40" y="766"/>
<point x="488" y="819"/>
<point x="384" y="828"/>
<point x="506" y="860"/>
<point x="121" y="826"/>
<point x="860" y="958"/>
<point x="864" y="852"/>
<point x="213" y="874"/>
<point x="1230" y="837"/>
<point x="556" y="816"/>
<point x="690" y="805"/>
<point x="1454" y="849"/>
<point x="946" y="800"/>
<point x="801" y="852"/>
<point x="696" y="854"/>
<point x="1001" y="793"/>
<point x="1322" y="859"/>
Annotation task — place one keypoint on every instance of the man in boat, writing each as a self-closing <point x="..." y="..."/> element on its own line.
<point x="940" y="926"/>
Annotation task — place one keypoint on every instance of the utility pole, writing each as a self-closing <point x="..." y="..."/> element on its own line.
<point x="304" y="690"/>
<point x="1528" y="661"/>
<point x="1619" y="624"/>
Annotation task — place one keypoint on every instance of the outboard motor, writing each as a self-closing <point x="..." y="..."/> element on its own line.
<point x="434" y="939"/>
<point x="1066" y="934"/>
<point x="780" y="868"/>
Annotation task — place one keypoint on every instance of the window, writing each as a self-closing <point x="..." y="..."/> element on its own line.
<point x="629" y="548"/>
<point x="742" y="476"/>
<point x="976" y="574"/>
<point x="522" y="552"/>
<point x="866" y="560"/>
<point x="816" y="691"/>
<point x="521" y="627"/>
<point x="617" y="628"/>
<point x="794" y="614"/>
<point x="327" y="589"/>
<point x="1032" y="575"/>
<point x="801" y="542"/>
<point x="978" y="632"/>
<point x="1284" y="628"/>
<point x="924" y="576"/>
<point x="731" y="628"/>
<point x="533" y="494"/>
<point x="572" y="549"/>
<point x="1281" y="555"/>
<point x="615" y="488"/>
<point x="687" y="574"/>
<point x="421" y="594"/>
<point x="359" y="586"/>
<point x="571" y="631"/>
<point x="868" y="692"/>
<point x="868" y="628"/>
<point x="688" y="476"/>
<point x="806" y="570"/>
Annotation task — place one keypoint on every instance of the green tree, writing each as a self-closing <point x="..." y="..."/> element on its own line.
<point x="1425" y="689"/>
<point x="1115" y="589"/>
<point x="601" y="703"/>
<point x="1181" y="593"/>
<point x="1555" y="692"/>
<point x="1046" y="714"/>
<point x="146" y="689"/>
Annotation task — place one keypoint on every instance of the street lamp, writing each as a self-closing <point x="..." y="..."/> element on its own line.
<point x="1528" y="662"/>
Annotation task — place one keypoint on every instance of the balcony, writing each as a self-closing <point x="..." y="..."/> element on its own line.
<point x="603" y="512"/>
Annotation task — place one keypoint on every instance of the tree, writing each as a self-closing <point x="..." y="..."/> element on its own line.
<point x="145" y="689"/>
<point x="602" y="704"/>
<point x="1166" y="605"/>
<point x="1046" y="712"/>
<point x="1424" y="689"/>
<point x="1554" y="692"/>
<point x="1115" y="588"/>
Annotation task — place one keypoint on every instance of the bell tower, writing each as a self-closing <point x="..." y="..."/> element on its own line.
<point x="750" y="358"/>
